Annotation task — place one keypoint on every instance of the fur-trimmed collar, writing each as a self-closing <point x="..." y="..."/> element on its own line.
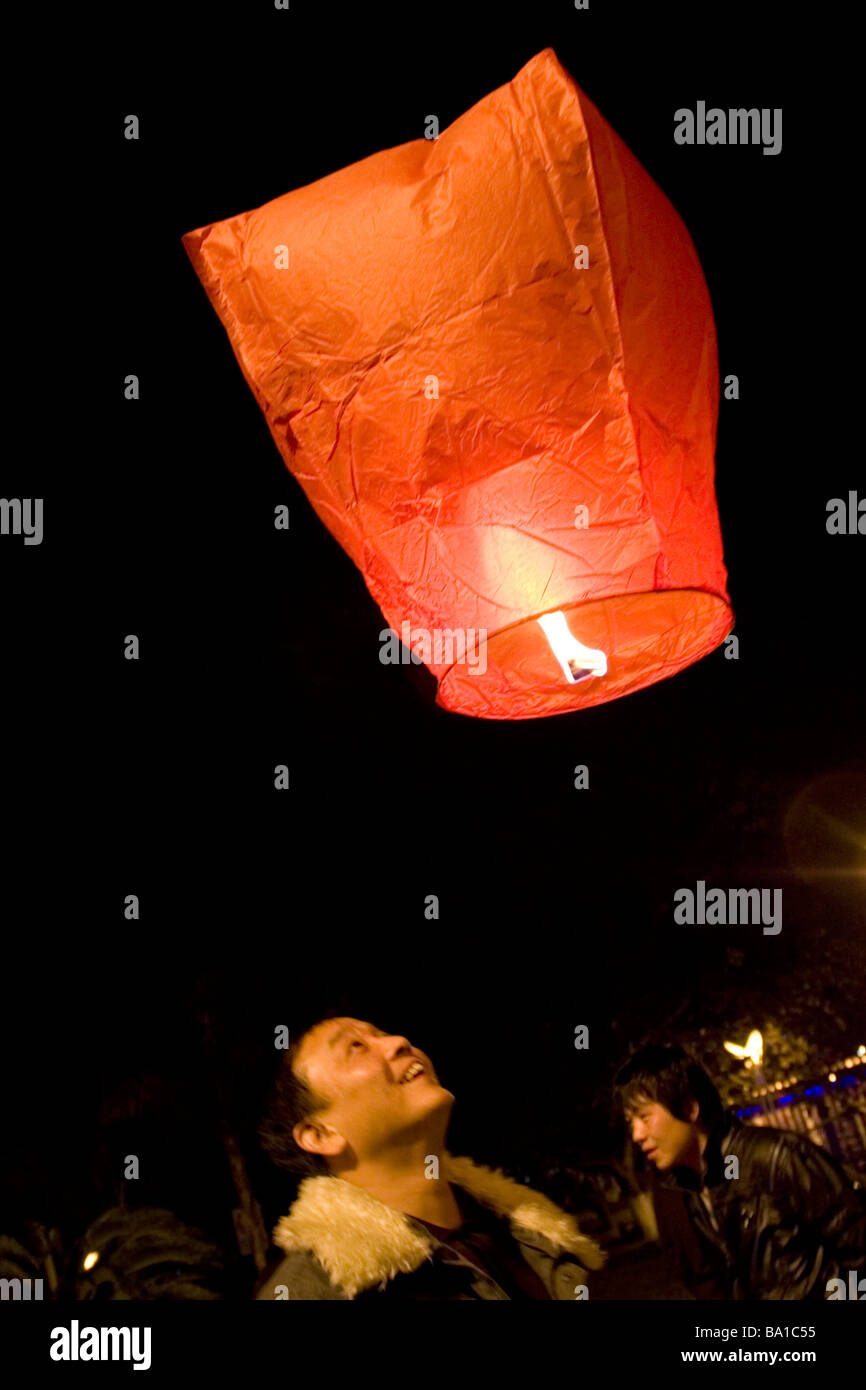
<point x="360" y="1241"/>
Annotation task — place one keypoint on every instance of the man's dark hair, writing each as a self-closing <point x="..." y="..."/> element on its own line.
<point x="292" y="1100"/>
<point x="663" y="1072"/>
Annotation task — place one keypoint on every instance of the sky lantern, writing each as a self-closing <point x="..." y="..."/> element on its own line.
<point x="489" y="358"/>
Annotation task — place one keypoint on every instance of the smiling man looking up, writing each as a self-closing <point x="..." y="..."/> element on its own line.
<point x="385" y="1210"/>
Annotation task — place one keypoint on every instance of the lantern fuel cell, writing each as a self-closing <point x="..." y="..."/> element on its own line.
<point x="577" y="661"/>
<point x="453" y="387"/>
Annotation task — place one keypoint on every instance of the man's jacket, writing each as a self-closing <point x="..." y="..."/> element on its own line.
<point x="783" y="1222"/>
<point x="343" y="1243"/>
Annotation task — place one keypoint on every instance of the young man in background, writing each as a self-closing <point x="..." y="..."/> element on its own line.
<point x="770" y="1215"/>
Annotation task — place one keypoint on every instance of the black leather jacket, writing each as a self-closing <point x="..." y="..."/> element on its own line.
<point x="785" y="1225"/>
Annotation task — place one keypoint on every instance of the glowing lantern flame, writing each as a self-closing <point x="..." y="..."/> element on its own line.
<point x="754" y="1049"/>
<point x="577" y="661"/>
<point x="90" y="1259"/>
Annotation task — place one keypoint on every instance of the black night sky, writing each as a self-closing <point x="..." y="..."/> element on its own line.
<point x="259" y="647"/>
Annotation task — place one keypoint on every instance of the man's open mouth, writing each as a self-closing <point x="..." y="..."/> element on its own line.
<point x="413" y="1070"/>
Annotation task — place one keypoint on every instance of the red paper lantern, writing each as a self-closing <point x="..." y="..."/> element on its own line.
<point x="490" y="360"/>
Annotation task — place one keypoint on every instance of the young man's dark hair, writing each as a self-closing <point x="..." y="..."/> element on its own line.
<point x="665" y="1073"/>
<point x="291" y="1101"/>
<point x="770" y="1215"/>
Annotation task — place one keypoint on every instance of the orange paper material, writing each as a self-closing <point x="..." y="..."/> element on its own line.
<point x="490" y="361"/>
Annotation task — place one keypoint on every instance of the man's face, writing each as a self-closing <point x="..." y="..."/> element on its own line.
<point x="363" y="1072"/>
<point x="665" y="1140"/>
